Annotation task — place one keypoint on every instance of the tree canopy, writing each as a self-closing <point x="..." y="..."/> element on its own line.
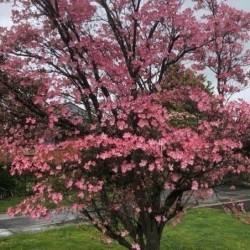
<point x="150" y="135"/>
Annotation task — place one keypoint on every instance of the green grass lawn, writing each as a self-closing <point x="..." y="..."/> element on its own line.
<point x="63" y="238"/>
<point x="201" y="229"/>
<point x="4" y="204"/>
<point x="205" y="229"/>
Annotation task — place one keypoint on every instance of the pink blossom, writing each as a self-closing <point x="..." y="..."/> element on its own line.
<point x="56" y="197"/>
<point x="158" y="218"/>
<point x="69" y="184"/>
<point x="136" y="246"/>
<point x="195" y="185"/>
<point x="124" y="233"/>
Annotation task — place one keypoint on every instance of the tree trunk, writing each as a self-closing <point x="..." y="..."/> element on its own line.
<point x="153" y="244"/>
<point x="153" y="241"/>
<point x="152" y="234"/>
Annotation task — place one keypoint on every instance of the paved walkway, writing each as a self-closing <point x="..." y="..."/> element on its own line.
<point x="227" y="195"/>
<point x="9" y="226"/>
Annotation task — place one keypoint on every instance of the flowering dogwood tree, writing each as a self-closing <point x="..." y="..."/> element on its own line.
<point x="124" y="161"/>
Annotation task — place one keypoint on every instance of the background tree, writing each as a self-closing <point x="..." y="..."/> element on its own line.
<point x="124" y="164"/>
<point x="227" y="55"/>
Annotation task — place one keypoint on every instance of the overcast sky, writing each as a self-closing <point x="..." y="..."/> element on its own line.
<point x="5" y="10"/>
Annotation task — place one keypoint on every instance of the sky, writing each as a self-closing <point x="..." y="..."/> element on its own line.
<point x="5" y="10"/>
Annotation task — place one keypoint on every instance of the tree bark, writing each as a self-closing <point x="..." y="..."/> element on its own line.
<point x="153" y="240"/>
<point x="152" y="232"/>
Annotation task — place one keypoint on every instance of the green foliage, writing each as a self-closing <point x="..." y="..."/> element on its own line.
<point x="7" y="183"/>
<point x="178" y="77"/>
<point x="13" y="185"/>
